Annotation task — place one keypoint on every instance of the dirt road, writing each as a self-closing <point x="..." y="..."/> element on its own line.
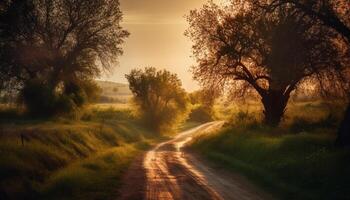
<point x="167" y="172"/>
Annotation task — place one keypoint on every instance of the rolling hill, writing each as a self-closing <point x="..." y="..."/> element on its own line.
<point x="114" y="92"/>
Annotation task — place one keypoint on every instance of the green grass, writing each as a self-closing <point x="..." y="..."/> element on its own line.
<point x="296" y="161"/>
<point x="308" y="110"/>
<point x="69" y="159"/>
<point x="96" y="177"/>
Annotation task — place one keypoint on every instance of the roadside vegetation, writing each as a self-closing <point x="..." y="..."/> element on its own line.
<point x="160" y="100"/>
<point x="297" y="160"/>
<point x="275" y="52"/>
<point x="69" y="159"/>
<point x="202" y="106"/>
<point x="53" y="143"/>
<point x="254" y="59"/>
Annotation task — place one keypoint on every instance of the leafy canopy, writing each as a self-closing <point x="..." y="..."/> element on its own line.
<point x="58" y="46"/>
<point x="243" y="48"/>
<point x="159" y="95"/>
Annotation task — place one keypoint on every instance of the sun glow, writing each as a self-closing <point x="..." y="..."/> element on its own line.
<point x="157" y="38"/>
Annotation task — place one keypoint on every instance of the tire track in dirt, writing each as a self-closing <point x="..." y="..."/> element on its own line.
<point x="169" y="173"/>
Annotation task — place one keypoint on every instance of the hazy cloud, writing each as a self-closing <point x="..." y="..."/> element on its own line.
<point x="157" y="11"/>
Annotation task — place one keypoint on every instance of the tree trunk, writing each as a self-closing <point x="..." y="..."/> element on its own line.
<point x="343" y="139"/>
<point x="274" y="107"/>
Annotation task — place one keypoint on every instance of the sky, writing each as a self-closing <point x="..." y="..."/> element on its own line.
<point x="157" y="38"/>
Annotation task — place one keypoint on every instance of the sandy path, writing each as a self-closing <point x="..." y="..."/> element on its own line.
<point x="167" y="172"/>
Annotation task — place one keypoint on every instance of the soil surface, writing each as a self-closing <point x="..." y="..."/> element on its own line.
<point x="169" y="172"/>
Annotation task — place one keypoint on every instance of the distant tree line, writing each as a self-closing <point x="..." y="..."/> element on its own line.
<point x="50" y="50"/>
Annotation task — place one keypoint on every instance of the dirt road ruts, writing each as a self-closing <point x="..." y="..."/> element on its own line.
<point x="170" y="173"/>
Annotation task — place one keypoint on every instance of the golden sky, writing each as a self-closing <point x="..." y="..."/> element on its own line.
<point x="157" y="38"/>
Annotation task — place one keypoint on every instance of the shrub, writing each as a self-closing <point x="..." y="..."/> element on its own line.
<point x="244" y="118"/>
<point x="38" y="98"/>
<point x="41" y="100"/>
<point x="301" y="124"/>
<point x="201" y="114"/>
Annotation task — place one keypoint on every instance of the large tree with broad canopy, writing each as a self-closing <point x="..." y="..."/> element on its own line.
<point x="240" y="47"/>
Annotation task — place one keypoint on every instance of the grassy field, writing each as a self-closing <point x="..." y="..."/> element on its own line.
<point x="295" y="161"/>
<point x="114" y="92"/>
<point x="109" y="106"/>
<point x="69" y="159"/>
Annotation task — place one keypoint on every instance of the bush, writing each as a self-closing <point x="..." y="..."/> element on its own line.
<point x="245" y="119"/>
<point x="65" y="105"/>
<point x="10" y="113"/>
<point x="201" y="114"/>
<point x="41" y="100"/>
<point x="299" y="124"/>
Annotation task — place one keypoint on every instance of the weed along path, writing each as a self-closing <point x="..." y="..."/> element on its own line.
<point x="167" y="172"/>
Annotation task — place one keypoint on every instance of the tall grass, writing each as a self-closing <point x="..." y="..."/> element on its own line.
<point x="295" y="161"/>
<point x="78" y="159"/>
<point x="98" y="176"/>
<point x="308" y="110"/>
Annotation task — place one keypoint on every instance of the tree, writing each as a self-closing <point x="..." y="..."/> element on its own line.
<point x="56" y="44"/>
<point x="335" y="15"/>
<point x="241" y="47"/>
<point x="203" y="105"/>
<point x="159" y="96"/>
<point x="205" y="97"/>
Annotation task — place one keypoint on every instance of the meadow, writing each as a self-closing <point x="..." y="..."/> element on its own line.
<point x="85" y="158"/>
<point x="297" y="160"/>
<point x="68" y="158"/>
